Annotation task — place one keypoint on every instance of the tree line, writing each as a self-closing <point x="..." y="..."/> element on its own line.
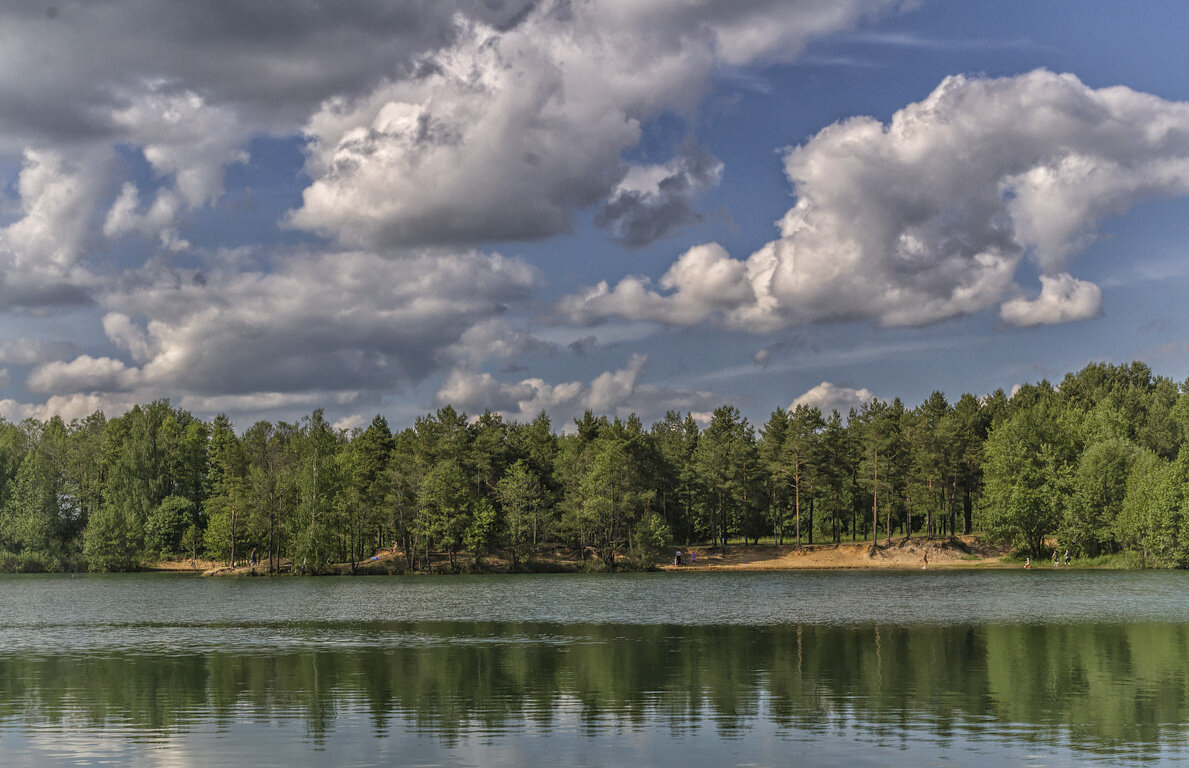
<point x="1096" y="462"/>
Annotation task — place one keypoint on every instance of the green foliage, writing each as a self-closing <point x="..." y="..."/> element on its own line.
<point x="446" y="506"/>
<point x="192" y="541"/>
<point x="520" y="494"/>
<point x="114" y="539"/>
<point x="167" y="524"/>
<point x="1096" y="463"/>
<point x="1029" y="464"/>
<point x="1153" y="518"/>
<point x="481" y="535"/>
<point x="1099" y="485"/>
<point x="651" y="537"/>
<point x="729" y="476"/>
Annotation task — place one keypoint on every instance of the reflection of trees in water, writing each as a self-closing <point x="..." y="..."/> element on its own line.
<point x="1105" y="687"/>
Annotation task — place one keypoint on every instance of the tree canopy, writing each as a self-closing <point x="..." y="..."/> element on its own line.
<point x="1097" y="464"/>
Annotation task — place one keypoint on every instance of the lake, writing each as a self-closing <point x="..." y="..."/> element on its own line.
<point x="1029" y="668"/>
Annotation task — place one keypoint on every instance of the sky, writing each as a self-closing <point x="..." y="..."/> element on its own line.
<point x="628" y="206"/>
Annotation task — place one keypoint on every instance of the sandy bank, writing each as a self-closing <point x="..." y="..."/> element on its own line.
<point x="900" y="554"/>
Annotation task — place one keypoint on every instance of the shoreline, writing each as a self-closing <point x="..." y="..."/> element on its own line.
<point x="944" y="553"/>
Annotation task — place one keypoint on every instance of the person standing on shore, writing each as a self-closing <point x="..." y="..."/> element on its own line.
<point x="1027" y="562"/>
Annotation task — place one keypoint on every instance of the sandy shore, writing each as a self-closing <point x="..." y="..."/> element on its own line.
<point x="900" y="554"/>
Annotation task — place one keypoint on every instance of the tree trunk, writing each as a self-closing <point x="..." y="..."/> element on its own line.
<point x="954" y="508"/>
<point x="810" y="520"/>
<point x="888" y="521"/>
<point x="797" y="490"/>
<point x="908" y="510"/>
<point x="929" y="511"/>
<point x="875" y="501"/>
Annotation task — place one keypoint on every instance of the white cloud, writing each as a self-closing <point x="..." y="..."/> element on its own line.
<point x="40" y="251"/>
<point x="348" y="423"/>
<point x="184" y="85"/>
<point x="828" y="397"/>
<point x="615" y="393"/>
<point x="494" y="339"/>
<point x="50" y="232"/>
<point x="319" y="324"/>
<point x="927" y="218"/>
<point x="187" y="143"/>
<point x="705" y="281"/>
<point x="160" y="220"/>
<point x="1062" y="299"/>
<point x="335" y="330"/>
<point x="502" y="134"/>
<point x="183" y="137"/>
<point x="69" y="407"/>
<point x="128" y="336"/>
<point x="102" y="374"/>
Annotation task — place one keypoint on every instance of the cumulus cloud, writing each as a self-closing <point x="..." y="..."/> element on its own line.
<point x="188" y="143"/>
<point x="928" y="217"/>
<point x="430" y="122"/>
<point x="40" y="251"/>
<point x="84" y="372"/>
<point x="318" y="329"/>
<point x="186" y="88"/>
<point x="443" y="122"/>
<point x="505" y="132"/>
<point x="617" y="393"/>
<point x="703" y="282"/>
<point x="828" y="397"/>
<point x="495" y="338"/>
<point x="160" y="220"/>
<point x="1063" y="298"/>
<point x="183" y="137"/>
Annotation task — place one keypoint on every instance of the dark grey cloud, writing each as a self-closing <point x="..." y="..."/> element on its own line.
<point x="583" y="345"/>
<point x="651" y="203"/>
<point x="275" y="59"/>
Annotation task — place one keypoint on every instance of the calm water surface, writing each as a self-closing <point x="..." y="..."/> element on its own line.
<point x="1023" y="668"/>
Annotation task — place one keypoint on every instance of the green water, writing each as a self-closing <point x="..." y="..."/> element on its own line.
<point x="813" y="669"/>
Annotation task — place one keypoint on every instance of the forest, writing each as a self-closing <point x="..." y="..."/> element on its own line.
<point x="1100" y="462"/>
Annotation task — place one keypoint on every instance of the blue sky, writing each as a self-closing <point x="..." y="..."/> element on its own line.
<point x="628" y="207"/>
